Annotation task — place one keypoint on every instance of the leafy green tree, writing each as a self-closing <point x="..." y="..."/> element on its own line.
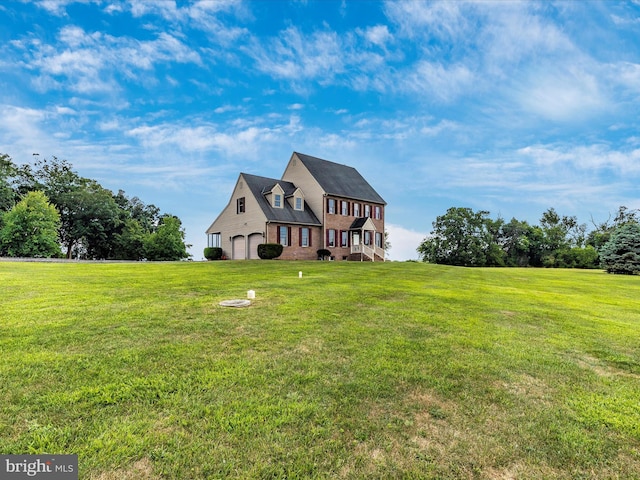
<point x="561" y="233"/>
<point x="31" y="228"/>
<point x="129" y="243"/>
<point x="621" y="254"/>
<point x="460" y="237"/>
<point x="495" y="254"/>
<point x="516" y="243"/>
<point x="148" y="216"/>
<point x="167" y="242"/>
<point x="601" y="234"/>
<point x="88" y="213"/>
<point x="138" y="222"/>
<point x="387" y="243"/>
<point x="8" y="173"/>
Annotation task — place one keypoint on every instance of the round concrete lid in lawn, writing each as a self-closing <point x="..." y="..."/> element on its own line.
<point x="235" y="303"/>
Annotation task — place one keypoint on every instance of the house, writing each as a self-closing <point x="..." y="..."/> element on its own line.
<point x="317" y="204"/>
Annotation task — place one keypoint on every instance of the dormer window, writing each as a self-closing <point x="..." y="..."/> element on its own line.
<point x="296" y="200"/>
<point x="277" y="196"/>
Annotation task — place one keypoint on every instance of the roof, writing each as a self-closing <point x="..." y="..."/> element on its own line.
<point x="259" y="186"/>
<point x="340" y="180"/>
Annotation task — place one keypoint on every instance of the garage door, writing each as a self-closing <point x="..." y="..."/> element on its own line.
<point x="255" y="239"/>
<point x="238" y="248"/>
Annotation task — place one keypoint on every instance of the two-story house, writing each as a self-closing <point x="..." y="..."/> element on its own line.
<point x="317" y="204"/>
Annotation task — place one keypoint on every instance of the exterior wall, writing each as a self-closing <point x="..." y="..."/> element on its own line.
<point x="298" y="174"/>
<point x="231" y="224"/>
<point x="339" y="222"/>
<point x="295" y="251"/>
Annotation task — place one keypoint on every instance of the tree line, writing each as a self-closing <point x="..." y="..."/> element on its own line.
<point x="48" y="210"/>
<point x="470" y="238"/>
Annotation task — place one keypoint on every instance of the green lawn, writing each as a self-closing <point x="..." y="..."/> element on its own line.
<point x="356" y="370"/>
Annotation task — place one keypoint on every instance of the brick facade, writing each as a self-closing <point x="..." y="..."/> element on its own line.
<point x="295" y="251"/>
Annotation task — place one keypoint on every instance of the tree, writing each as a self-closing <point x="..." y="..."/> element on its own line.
<point x="602" y="231"/>
<point x="31" y="228"/>
<point x="128" y="244"/>
<point x="148" y="216"/>
<point x="621" y="254"/>
<point x="387" y="244"/>
<point x="88" y="213"/>
<point x="516" y="243"/>
<point x="461" y="237"/>
<point x="8" y="172"/>
<point x="167" y="243"/>
<point x="561" y="233"/>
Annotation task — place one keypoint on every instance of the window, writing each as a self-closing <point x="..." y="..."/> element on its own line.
<point x="344" y="238"/>
<point x="214" y="240"/>
<point x="379" y="240"/>
<point x="331" y="238"/>
<point x="367" y="210"/>
<point x="277" y="200"/>
<point x="284" y="236"/>
<point x="356" y="209"/>
<point x="344" y="208"/>
<point x="331" y="205"/>
<point x="305" y="237"/>
<point x="240" y="205"/>
<point x="298" y="203"/>
<point x="377" y="212"/>
<point x="367" y="237"/>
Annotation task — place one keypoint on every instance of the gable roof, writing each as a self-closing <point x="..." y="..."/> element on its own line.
<point x="259" y="186"/>
<point x="340" y="180"/>
<point x="362" y="222"/>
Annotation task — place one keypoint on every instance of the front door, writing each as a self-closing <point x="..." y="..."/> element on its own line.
<point x="355" y="240"/>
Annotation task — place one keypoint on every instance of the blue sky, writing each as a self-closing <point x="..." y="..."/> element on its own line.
<point x="511" y="107"/>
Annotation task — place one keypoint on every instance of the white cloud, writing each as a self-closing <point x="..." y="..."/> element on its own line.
<point x="58" y="7"/>
<point x="91" y="61"/>
<point x="444" y="20"/>
<point x="626" y="74"/>
<point x="404" y="242"/>
<point x="441" y="81"/>
<point x="246" y="141"/>
<point x="563" y="95"/>
<point x="296" y="57"/>
<point x="378" y="35"/>
<point x="585" y="157"/>
<point x="513" y="32"/>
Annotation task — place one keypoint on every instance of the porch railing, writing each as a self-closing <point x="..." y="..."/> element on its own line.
<point x="370" y="252"/>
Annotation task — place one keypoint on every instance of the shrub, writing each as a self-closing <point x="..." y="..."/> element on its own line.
<point x="213" y="253"/>
<point x="323" y="253"/>
<point x="268" y="251"/>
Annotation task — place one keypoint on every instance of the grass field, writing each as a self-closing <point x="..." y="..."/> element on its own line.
<point x="394" y="370"/>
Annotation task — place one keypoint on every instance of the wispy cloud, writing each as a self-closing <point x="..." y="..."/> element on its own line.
<point x="90" y="62"/>
<point x="585" y="157"/>
<point x="297" y="57"/>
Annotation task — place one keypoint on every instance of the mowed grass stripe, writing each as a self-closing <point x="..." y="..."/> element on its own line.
<point x="394" y="370"/>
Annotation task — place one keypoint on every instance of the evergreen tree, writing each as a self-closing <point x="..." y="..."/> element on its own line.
<point x="621" y="254"/>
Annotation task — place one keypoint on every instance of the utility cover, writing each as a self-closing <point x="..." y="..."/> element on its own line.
<point x="235" y="303"/>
